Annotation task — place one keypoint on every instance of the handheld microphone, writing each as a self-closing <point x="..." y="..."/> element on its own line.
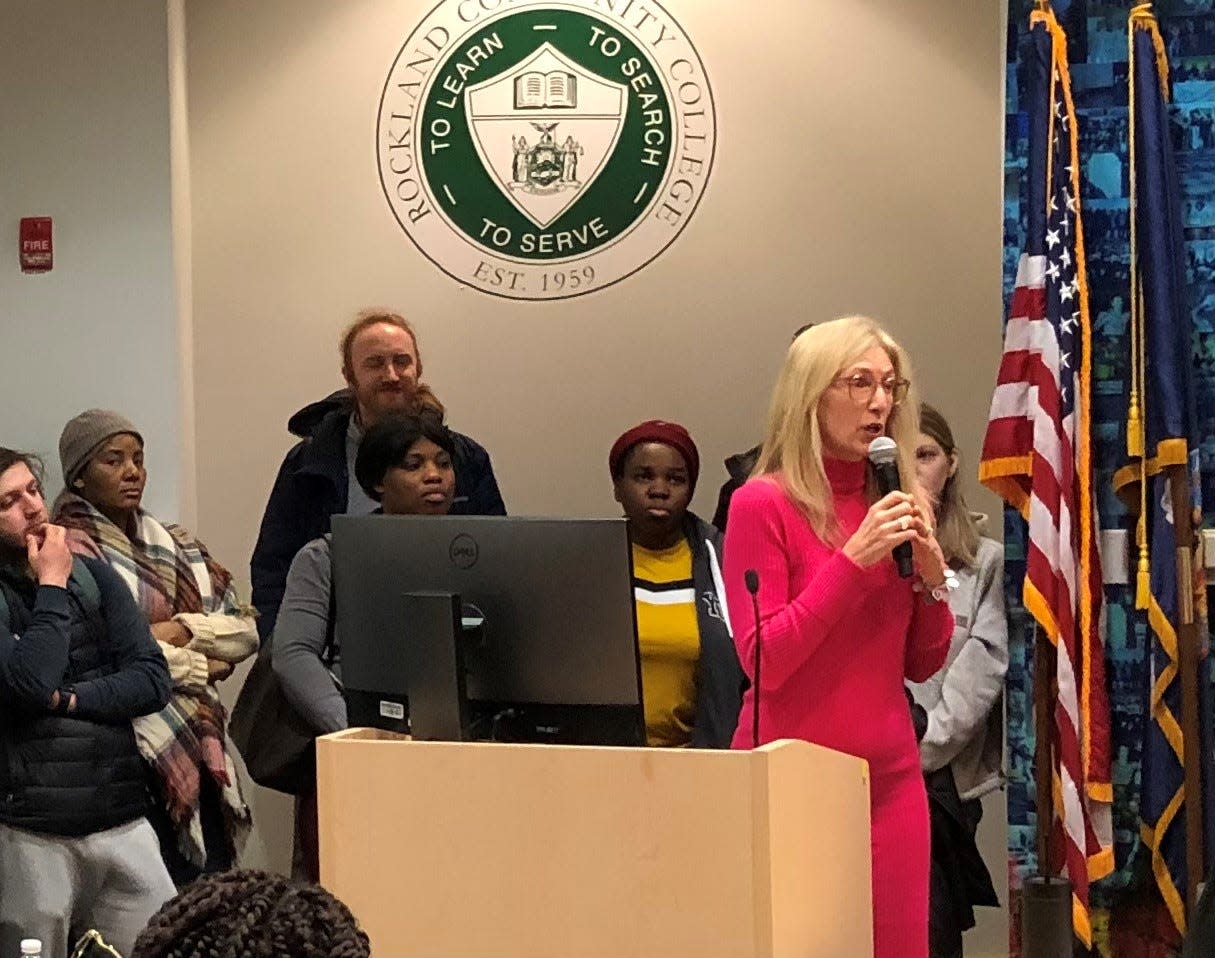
<point x="884" y="457"/>
<point x="751" y="577"/>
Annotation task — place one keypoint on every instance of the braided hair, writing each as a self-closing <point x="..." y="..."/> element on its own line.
<point x="252" y="914"/>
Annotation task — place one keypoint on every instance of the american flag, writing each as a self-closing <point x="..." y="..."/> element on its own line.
<point x="1037" y="456"/>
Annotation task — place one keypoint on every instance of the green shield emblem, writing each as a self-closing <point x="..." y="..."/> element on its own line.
<point x="540" y="150"/>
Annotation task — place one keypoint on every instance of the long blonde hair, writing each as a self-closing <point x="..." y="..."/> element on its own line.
<point x="793" y="444"/>
<point x="957" y="531"/>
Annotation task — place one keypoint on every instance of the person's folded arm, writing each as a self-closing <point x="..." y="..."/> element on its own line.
<point x="220" y="635"/>
<point x="187" y="668"/>
<point x="33" y="665"/>
<point x="140" y="685"/>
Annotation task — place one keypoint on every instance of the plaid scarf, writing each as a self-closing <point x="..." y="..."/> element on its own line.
<point x="169" y="572"/>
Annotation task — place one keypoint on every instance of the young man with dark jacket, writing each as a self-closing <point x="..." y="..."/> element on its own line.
<point x="382" y="369"/>
<point x="77" y="663"/>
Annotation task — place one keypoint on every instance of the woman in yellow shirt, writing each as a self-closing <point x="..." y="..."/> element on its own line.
<point x="691" y="681"/>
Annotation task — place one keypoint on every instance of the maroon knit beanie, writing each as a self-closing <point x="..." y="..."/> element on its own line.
<point x="655" y="430"/>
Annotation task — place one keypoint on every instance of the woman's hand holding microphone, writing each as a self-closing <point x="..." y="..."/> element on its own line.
<point x="894" y="519"/>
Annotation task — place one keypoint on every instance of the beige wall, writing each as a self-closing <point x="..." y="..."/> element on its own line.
<point x="85" y="118"/>
<point x="858" y="170"/>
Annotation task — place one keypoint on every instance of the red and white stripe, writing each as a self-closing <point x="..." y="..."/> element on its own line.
<point x="1030" y="458"/>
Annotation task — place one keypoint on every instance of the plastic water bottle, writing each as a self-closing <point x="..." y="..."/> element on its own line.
<point x="31" y="948"/>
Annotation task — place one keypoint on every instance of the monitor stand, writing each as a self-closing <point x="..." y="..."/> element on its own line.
<point x="434" y="659"/>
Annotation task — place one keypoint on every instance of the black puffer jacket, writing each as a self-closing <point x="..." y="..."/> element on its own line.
<point x="78" y="774"/>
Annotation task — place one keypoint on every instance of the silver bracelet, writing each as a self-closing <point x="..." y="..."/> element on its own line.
<point x="940" y="592"/>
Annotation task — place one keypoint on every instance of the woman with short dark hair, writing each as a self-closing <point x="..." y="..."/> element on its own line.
<point x="405" y="464"/>
<point x="406" y="443"/>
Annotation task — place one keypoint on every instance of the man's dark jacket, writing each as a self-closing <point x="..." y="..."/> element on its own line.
<point x="739" y="468"/>
<point x="312" y="486"/>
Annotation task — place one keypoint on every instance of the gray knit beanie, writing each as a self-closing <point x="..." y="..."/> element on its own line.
<point x="82" y="435"/>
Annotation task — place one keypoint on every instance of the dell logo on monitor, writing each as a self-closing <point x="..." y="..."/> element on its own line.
<point x="463" y="551"/>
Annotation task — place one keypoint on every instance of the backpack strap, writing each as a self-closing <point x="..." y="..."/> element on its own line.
<point x="328" y="652"/>
<point x="87" y="582"/>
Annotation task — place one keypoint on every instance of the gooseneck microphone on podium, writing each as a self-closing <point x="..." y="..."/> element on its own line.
<point x="752" y="579"/>
<point x="884" y="457"/>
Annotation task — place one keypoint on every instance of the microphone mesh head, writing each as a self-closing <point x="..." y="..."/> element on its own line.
<point x="883" y="450"/>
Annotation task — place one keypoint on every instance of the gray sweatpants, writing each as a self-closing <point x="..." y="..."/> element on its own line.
<point x="56" y="889"/>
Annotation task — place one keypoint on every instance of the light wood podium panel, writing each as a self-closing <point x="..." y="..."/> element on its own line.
<point x="450" y="850"/>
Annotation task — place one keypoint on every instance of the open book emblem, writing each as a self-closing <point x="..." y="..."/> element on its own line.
<point x="545" y="131"/>
<point x="543" y="149"/>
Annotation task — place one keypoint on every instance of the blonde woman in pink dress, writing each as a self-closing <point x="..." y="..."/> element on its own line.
<point x="841" y="630"/>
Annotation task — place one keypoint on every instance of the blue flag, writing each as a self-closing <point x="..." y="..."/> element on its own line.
<point x="1161" y="430"/>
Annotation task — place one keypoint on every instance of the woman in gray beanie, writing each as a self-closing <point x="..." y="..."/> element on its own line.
<point x="195" y="617"/>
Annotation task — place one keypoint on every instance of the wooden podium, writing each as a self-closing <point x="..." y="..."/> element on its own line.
<point x="449" y="850"/>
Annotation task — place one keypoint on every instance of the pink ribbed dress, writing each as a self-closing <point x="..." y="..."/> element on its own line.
<point x="837" y="643"/>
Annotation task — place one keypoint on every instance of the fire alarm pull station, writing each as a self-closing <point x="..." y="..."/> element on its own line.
<point x="37" y="252"/>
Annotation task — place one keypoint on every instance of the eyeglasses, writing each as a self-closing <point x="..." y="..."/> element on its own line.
<point x="862" y="387"/>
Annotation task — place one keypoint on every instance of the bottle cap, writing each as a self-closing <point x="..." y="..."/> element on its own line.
<point x="31" y="946"/>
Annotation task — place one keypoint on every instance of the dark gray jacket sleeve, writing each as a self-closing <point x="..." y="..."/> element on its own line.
<point x="299" y="640"/>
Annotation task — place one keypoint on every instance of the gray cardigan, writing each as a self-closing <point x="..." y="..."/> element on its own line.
<point x="963" y="700"/>
<point x="299" y="640"/>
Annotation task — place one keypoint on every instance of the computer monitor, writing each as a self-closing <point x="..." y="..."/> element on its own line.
<point x="515" y="629"/>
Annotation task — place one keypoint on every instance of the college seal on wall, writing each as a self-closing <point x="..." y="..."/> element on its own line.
<point x="540" y="150"/>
